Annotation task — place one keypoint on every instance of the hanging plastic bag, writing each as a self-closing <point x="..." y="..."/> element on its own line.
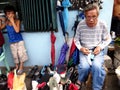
<point x="19" y="81"/>
<point x="10" y="80"/>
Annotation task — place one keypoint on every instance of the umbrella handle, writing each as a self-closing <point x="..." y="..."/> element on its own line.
<point x="66" y="36"/>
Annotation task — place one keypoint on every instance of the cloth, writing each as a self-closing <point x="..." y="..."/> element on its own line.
<point x="19" y="52"/>
<point x="2" y="41"/>
<point x="13" y="36"/>
<point x="92" y="37"/>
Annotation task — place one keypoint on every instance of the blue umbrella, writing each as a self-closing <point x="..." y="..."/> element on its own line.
<point x="65" y="5"/>
<point x="62" y="23"/>
<point x="63" y="14"/>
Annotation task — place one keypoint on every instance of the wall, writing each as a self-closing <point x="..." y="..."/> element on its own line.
<point x="38" y="44"/>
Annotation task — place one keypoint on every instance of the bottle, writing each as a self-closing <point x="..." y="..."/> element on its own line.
<point x="113" y="36"/>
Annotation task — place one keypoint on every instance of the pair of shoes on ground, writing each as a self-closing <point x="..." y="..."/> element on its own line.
<point x="32" y="71"/>
<point x="20" y="72"/>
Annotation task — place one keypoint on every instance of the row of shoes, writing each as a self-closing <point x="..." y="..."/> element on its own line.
<point x="48" y="78"/>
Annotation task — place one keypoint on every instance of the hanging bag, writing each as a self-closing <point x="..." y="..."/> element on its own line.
<point x="10" y="80"/>
<point x="19" y="81"/>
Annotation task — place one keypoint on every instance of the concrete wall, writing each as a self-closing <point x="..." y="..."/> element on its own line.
<point x="38" y="44"/>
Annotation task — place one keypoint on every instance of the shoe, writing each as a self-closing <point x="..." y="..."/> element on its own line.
<point x="53" y="84"/>
<point x="43" y="70"/>
<point x="20" y="72"/>
<point x="41" y="85"/>
<point x="73" y="87"/>
<point x="74" y="76"/>
<point x="69" y="72"/>
<point x="32" y="71"/>
<point x="57" y="77"/>
<point x="50" y="71"/>
<point x="78" y="85"/>
<point x="34" y="85"/>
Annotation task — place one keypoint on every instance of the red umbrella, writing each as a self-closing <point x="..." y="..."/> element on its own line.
<point x="53" y="39"/>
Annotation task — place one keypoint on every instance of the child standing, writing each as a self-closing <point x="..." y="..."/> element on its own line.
<point x="12" y="24"/>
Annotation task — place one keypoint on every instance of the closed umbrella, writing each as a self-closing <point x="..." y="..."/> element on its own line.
<point x="74" y="55"/>
<point x="62" y="56"/>
<point x="53" y="39"/>
<point x="65" y="13"/>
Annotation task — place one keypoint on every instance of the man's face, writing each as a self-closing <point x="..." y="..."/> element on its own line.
<point x="91" y="18"/>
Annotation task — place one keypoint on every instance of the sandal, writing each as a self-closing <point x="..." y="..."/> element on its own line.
<point x="20" y="72"/>
<point x="78" y="84"/>
<point x="32" y="71"/>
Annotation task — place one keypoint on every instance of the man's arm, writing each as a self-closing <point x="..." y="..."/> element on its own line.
<point x="78" y="45"/>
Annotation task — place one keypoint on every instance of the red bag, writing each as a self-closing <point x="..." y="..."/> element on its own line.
<point x="10" y="80"/>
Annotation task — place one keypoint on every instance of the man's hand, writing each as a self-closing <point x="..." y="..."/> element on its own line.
<point x="97" y="50"/>
<point x="85" y="50"/>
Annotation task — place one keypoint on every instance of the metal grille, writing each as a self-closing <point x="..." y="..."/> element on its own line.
<point x="39" y="15"/>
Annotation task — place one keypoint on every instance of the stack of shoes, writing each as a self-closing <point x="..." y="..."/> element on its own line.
<point x="31" y="73"/>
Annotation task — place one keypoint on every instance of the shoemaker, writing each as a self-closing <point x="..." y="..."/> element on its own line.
<point x="91" y="38"/>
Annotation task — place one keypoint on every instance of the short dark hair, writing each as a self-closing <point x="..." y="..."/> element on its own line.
<point x="9" y="8"/>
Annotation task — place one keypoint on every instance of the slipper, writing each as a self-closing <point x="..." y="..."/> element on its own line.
<point x="34" y="85"/>
<point x="32" y="71"/>
<point x="41" y="85"/>
<point x="69" y="72"/>
<point x="53" y="84"/>
<point x="78" y="84"/>
<point x="20" y="72"/>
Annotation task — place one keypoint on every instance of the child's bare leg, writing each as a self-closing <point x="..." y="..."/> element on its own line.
<point x="16" y="66"/>
<point x="20" y="70"/>
<point x="21" y="66"/>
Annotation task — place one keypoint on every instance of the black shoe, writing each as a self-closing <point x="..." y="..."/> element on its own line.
<point x="32" y="71"/>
